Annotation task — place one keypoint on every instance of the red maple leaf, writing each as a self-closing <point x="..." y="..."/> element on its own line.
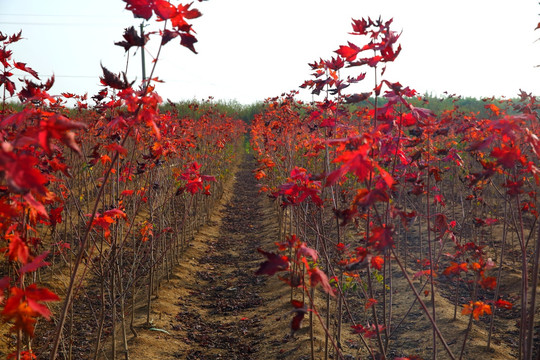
<point x="184" y="12"/>
<point x="440" y="224"/>
<point x="168" y="35"/>
<point x="488" y="282"/>
<point x="114" y="81"/>
<point x="507" y="156"/>
<point x="317" y="276"/>
<point x="188" y="41"/>
<point x="503" y="304"/>
<point x="477" y="309"/>
<point x="25" y="305"/>
<point x="274" y="263"/>
<point x="37" y="263"/>
<point x="140" y="8"/>
<point x="17" y="249"/>
<point x="455" y="268"/>
<point x="20" y="172"/>
<point x="58" y="127"/>
<point x="365" y="198"/>
<point x="109" y="217"/>
<point x="514" y="187"/>
<point x="381" y="237"/>
<point x="299" y="310"/>
<point x="127" y="192"/>
<point x="356" y="161"/>
<point x="164" y="9"/>
<point x="360" y="26"/>
<point x="303" y="250"/>
<point x="377" y="262"/>
<point x="348" y="52"/>
<point x="131" y="38"/>
<point x="370" y="302"/>
<point x="23" y="67"/>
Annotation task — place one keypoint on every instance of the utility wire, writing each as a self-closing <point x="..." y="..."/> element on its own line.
<point x="58" y="24"/>
<point x="62" y="15"/>
<point x="74" y="76"/>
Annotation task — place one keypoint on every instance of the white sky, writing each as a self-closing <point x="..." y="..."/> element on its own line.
<point x="253" y="49"/>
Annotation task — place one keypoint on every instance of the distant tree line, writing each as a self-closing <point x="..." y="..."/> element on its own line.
<point x="245" y="112"/>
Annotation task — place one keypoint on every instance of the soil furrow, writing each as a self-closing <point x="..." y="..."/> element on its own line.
<point x="214" y="307"/>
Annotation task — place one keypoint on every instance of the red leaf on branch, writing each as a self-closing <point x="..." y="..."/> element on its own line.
<point x="488" y="282"/>
<point x="17" y="249"/>
<point x="335" y="175"/>
<point x="35" y="205"/>
<point x="116" y="147"/>
<point x="507" y="156"/>
<point x="300" y="310"/>
<point x="25" y="305"/>
<point x="381" y="237"/>
<point x="514" y="187"/>
<point x="20" y="173"/>
<point x="503" y="304"/>
<point x="164" y="9"/>
<point x="477" y="309"/>
<point x="385" y="175"/>
<point x="189" y="13"/>
<point x="140" y="8"/>
<point x="303" y="250"/>
<point x="188" y="40"/>
<point x="37" y="263"/>
<point x="5" y="55"/>
<point x="440" y="224"/>
<point x="274" y="263"/>
<point x="365" y="198"/>
<point x="14" y="38"/>
<point x="118" y="82"/>
<point x="56" y="126"/>
<point x="360" y="26"/>
<point x="355" y="161"/>
<point x="370" y="302"/>
<point x="455" y="268"/>
<point x="116" y="214"/>
<point x="317" y="276"/>
<point x="348" y="52"/>
<point x="23" y="67"/>
<point x="377" y="262"/>
<point x="131" y="38"/>
<point x="421" y="113"/>
<point x="127" y="192"/>
<point x="168" y="35"/>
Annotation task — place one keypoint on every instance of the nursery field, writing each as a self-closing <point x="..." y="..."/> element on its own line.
<point x="375" y="223"/>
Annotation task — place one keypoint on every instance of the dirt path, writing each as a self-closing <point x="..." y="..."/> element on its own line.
<point x="214" y="307"/>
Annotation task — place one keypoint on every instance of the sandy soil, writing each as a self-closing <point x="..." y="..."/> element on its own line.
<point x="214" y="307"/>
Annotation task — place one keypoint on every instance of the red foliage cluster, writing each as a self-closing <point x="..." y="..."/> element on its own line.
<point x="126" y="136"/>
<point x="361" y="162"/>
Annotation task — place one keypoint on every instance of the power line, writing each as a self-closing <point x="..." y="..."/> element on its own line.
<point x="62" y="15"/>
<point x="42" y="76"/>
<point x="57" y="24"/>
<point x="74" y="76"/>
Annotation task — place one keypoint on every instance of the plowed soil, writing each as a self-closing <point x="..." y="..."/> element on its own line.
<point x="214" y="307"/>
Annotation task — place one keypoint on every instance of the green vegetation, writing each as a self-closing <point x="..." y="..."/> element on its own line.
<point x="232" y="108"/>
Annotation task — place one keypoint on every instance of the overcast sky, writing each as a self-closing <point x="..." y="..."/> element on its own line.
<point x="250" y="50"/>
